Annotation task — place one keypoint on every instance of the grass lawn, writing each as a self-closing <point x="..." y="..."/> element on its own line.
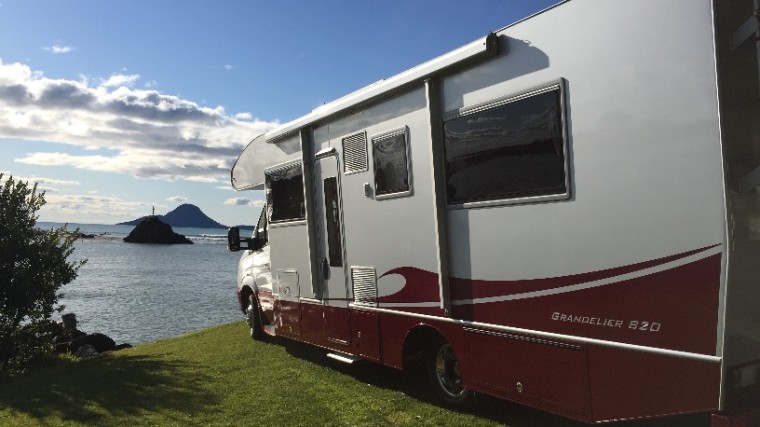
<point x="219" y="377"/>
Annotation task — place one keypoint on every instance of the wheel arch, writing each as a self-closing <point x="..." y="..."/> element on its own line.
<point x="247" y="288"/>
<point x="417" y="341"/>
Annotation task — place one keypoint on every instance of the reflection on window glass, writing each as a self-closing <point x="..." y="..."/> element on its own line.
<point x="511" y="150"/>
<point x="261" y="227"/>
<point x="389" y="153"/>
<point x="332" y="218"/>
<point x="285" y="200"/>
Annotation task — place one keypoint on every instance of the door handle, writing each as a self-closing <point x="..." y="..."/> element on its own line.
<point x="325" y="268"/>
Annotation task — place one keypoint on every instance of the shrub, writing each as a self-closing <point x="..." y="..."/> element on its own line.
<point x="33" y="267"/>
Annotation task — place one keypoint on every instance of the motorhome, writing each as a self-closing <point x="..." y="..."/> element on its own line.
<point x="564" y="213"/>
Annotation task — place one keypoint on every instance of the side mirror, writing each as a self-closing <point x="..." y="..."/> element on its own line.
<point x="233" y="239"/>
<point x="235" y="243"/>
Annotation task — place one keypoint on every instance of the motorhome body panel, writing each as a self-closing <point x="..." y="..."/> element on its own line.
<point x="287" y="229"/>
<point x="635" y="255"/>
<point x="384" y="232"/>
<point x="633" y="128"/>
<point x="597" y="286"/>
<point x="290" y="275"/>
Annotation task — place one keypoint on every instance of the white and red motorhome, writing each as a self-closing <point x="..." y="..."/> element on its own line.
<point x="564" y="213"/>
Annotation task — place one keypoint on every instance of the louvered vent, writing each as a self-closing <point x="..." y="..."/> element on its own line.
<point x="355" y="153"/>
<point x="364" y="285"/>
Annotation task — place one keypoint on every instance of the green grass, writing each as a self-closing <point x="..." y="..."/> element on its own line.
<point x="219" y="377"/>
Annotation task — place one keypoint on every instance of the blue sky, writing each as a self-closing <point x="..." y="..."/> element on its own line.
<point x="115" y="107"/>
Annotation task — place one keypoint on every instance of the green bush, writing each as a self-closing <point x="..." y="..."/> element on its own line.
<point x="33" y="267"/>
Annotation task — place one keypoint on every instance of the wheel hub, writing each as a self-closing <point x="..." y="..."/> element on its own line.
<point x="447" y="372"/>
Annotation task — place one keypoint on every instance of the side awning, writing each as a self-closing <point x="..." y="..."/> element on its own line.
<point x="281" y="144"/>
<point x="248" y="171"/>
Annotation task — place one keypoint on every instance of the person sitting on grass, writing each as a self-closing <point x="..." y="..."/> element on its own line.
<point x="71" y="339"/>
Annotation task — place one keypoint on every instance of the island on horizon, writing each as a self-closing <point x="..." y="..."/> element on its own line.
<point x="186" y="215"/>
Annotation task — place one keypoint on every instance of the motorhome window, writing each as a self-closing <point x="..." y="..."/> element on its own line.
<point x="285" y="198"/>
<point x="389" y="156"/>
<point x="261" y="227"/>
<point x="514" y="149"/>
<point x="332" y="218"/>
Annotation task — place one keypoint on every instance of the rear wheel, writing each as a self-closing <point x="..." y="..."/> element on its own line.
<point x="445" y="378"/>
<point x="253" y="318"/>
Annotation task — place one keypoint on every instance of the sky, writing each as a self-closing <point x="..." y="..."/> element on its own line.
<point x="114" y="108"/>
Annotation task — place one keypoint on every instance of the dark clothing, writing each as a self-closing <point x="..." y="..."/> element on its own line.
<point x="71" y="338"/>
<point x="100" y="342"/>
<point x="69" y="335"/>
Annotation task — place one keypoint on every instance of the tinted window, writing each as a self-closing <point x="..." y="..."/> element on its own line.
<point x="261" y="227"/>
<point x="389" y="153"/>
<point x="332" y="218"/>
<point x="513" y="149"/>
<point x="285" y="194"/>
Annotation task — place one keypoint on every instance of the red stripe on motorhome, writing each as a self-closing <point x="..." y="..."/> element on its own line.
<point x="673" y="309"/>
<point x="425" y="283"/>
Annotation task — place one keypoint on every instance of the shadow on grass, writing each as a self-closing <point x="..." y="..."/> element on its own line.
<point x="414" y="385"/>
<point x="111" y="386"/>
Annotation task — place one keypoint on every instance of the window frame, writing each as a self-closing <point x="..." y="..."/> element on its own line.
<point x="262" y="225"/>
<point x="403" y="131"/>
<point x="270" y="200"/>
<point x="333" y="229"/>
<point x="558" y="85"/>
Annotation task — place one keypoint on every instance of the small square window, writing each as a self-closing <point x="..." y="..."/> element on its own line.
<point x="284" y="191"/>
<point x="390" y="156"/>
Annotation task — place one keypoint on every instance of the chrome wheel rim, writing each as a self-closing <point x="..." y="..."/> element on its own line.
<point x="447" y="372"/>
<point x="250" y="313"/>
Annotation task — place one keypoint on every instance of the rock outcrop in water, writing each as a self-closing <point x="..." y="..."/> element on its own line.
<point x="153" y="230"/>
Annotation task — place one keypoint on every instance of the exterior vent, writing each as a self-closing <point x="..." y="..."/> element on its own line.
<point x="364" y="285"/>
<point x="355" y="153"/>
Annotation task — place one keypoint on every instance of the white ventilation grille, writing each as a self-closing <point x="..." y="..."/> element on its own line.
<point x="355" y="153"/>
<point x="364" y="285"/>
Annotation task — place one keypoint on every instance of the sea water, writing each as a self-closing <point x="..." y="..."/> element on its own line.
<point x="138" y="293"/>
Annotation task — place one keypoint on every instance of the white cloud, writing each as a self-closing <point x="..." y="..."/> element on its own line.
<point x="42" y="181"/>
<point x="228" y="67"/>
<point x="46" y="185"/>
<point x="126" y="130"/>
<point x="177" y="199"/>
<point x="118" y="80"/>
<point x="244" y="201"/>
<point x="58" y="49"/>
<point x="91" y="208"/>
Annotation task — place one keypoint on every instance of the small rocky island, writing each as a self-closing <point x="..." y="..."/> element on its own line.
<point x="153" y="230"/>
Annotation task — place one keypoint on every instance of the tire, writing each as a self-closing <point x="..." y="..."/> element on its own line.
<point x="444" y="377"/>
<point x="253" y="318"/>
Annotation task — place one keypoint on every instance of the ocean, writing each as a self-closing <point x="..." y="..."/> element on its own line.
<point x="138" y="293"/>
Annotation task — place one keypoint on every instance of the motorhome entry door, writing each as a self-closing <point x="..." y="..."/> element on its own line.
<point x="331" y="251"/>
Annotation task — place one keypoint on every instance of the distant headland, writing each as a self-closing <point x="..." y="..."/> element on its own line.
<point x="185" y="215"/>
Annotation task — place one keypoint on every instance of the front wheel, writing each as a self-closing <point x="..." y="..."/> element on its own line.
<point x="253" y="318"/>
<point x="445" y="378"/>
